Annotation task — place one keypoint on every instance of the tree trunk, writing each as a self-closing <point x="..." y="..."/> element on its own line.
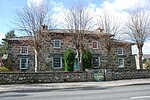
<point x="79" y="58"/>
<point x="36" y="60"/>
<point x="140" y="56"/>
<point x="80" y="62"/>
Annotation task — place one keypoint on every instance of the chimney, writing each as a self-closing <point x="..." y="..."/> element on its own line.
<point x="44" y="27"/>
<point x="100" y="29"/>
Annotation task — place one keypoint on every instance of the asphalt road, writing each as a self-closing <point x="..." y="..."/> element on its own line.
<point x="135" y="92"/>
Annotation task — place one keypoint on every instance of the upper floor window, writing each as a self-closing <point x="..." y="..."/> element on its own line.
<point x="57" y="43"/>
<point x="24" y="50"/>
<point x="57" y="62"/>
<point x="120" y="62"/>
<point x="95" y="44"/>
<point x="23" y="63"/>
<point x="119" y="51"/>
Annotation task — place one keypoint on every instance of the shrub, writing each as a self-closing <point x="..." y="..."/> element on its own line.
<point x="4" y="69"/>
<point x="87" y="59"/>
<point x="8" y="63"/>
<point x="147" y="65"/>
<point x="69" y="60"/>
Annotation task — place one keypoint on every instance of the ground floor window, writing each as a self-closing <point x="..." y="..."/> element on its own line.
<point x="96" y="61"/>
<point x="120" y="62"/>
<point x="57" y="62"/>
<point x="23" y="63"/>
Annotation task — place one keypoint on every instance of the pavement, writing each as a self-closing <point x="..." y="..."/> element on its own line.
<point x="71" y="85"/>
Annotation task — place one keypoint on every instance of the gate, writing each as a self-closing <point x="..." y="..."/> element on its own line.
<point x="98" y="74"/>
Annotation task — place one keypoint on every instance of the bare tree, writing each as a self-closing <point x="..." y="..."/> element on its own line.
<point x="110" y="24"/>
<point x="78" y="21"/>
<point x="138" y="27"/>
<point x="29" y="20"/>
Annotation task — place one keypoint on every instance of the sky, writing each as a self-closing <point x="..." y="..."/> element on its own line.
<point x="8" y="12"/>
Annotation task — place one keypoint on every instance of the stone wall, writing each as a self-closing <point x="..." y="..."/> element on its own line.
<point x="57" y="77"/>
<point x="50" y="77"/>
<point x="119" y="75"/>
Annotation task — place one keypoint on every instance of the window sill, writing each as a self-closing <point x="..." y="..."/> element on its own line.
<point x="23" y="68"/>
<point x="56" y="48"/>
<point x="57" y="67"/>
<point x="121" y="67"/>
<point x="23" y="54"/>
<point x="94" y="48"/>
<point x="120" y="54"/>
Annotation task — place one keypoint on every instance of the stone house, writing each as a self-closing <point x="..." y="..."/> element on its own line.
<point x="55" y="42"/>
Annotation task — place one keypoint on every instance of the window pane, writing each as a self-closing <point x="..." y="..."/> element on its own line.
<point x="119" y="51"/>
<point x="24" y="63"/>
<point x="95" y="61"/>
<point x="121" y="62"/>
<point x="57" y="62"/>
<point x="57" y="44"/>
<point x="95" y="44"/>
<point x="24" y="50"/>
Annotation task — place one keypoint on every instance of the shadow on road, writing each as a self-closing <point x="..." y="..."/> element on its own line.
<point x="56" y="89"/>
<point x="15" y="95"/>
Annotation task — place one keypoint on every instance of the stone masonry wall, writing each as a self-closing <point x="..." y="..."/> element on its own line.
<point x="57" y="77"/>
<point x="119" y="75"/>
<point x="51" y="77"/>
<point x="47" y="51"/>
<point x="14" y="52"/>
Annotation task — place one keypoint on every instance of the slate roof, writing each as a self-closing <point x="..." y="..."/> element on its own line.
<point x="146" y="56"/>
<point x="18" y="38"/>
<point x="67" y="31"/>
<point x="122" y="41"/>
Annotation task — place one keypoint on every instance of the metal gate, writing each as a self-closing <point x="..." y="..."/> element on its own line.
<point x="98" y="74"/>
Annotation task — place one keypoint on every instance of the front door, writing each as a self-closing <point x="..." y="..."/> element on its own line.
<point x="76" y="65"/>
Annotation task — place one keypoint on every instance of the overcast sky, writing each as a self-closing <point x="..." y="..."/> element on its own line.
<point x="119" y="7"/>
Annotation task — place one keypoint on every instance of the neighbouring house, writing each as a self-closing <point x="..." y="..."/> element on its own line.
<point x="145" y="58"/>
<point x="1" y="62"/>
<point x="54" y="42"/>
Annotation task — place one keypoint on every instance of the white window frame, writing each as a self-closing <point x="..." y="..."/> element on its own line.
<point x="96" y="43"/>
<point x="121" y="66"/>
<point x="118" y="52"/>
<point x="25" y="63"/>
<point x="21" y="50"/>
<point x="98" y="62"/>
<point x="59" y="44"/>
<point x="60" y="63"/>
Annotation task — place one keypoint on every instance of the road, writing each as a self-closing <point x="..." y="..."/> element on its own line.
<point x="135" y="92"/>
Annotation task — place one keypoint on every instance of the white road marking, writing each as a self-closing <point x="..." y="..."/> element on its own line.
<point x="139" y="97"/>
